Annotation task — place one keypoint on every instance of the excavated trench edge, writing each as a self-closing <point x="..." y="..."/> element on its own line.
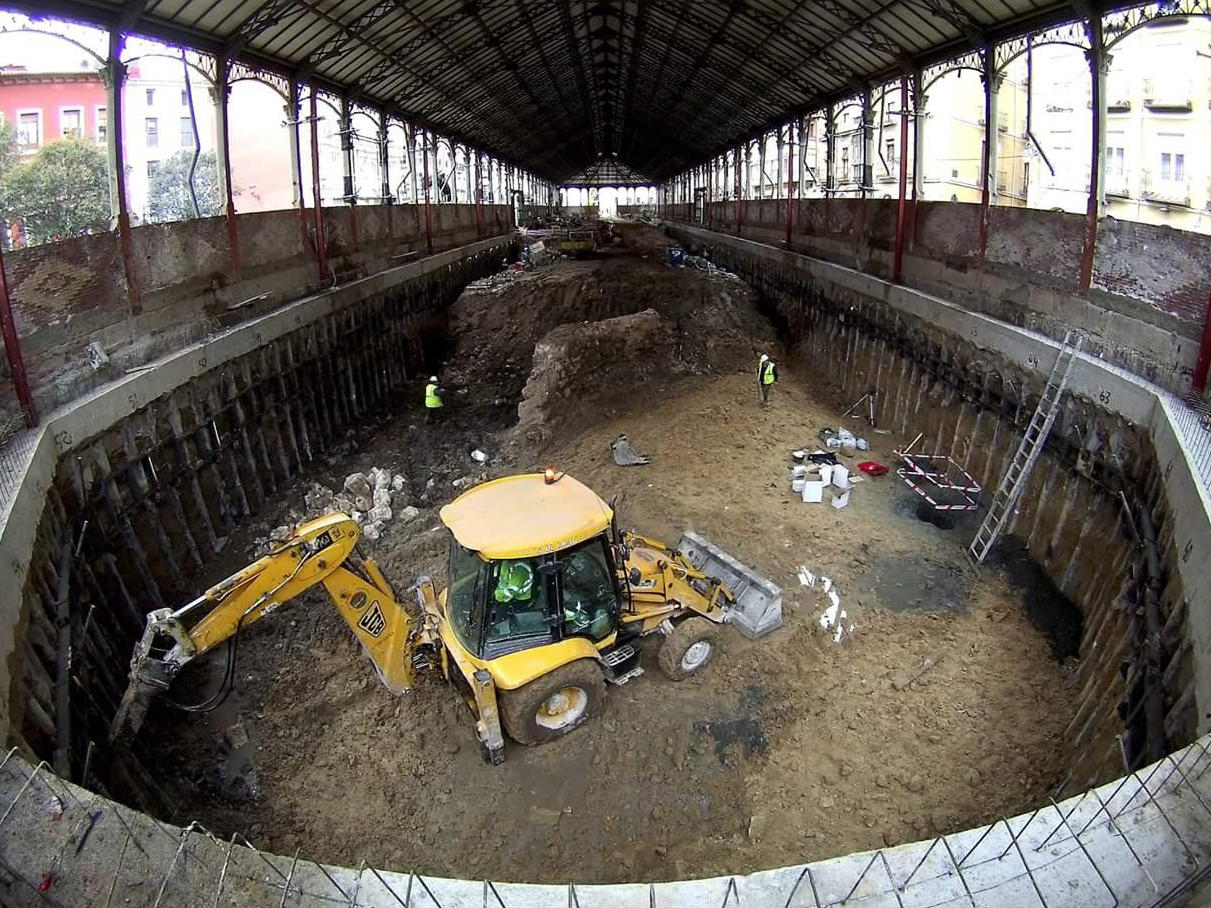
<point x="62" y="844"/>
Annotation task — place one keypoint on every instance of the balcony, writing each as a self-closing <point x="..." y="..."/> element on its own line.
<point x="1168" y="94"/>
<point x="1118" y="185"/>
<point x="1164" y="192"/>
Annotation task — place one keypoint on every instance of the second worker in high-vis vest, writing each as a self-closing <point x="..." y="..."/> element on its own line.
<point x="433" y="399"/>
<point x="767" y="374"/>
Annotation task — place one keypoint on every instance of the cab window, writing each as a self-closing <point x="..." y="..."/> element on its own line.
<point x="462" y="600"/>
<point x="518" y="611"/>
<point x="588" y="595"/>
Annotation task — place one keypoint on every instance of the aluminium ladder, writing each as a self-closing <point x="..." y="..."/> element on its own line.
<point x="1014" y="480"/>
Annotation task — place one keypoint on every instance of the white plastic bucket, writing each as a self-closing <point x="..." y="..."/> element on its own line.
<point x="797" y="484"/>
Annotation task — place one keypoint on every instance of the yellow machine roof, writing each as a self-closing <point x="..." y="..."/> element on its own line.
<point x="523" y="516"/>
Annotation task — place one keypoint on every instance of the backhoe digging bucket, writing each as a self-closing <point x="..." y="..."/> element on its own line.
<point x="758" y="606"/>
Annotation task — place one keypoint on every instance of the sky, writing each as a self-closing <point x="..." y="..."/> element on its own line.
<point x="47" y="53"/>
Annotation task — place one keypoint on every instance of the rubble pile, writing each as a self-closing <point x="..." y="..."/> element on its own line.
<point x="371" y="499"/>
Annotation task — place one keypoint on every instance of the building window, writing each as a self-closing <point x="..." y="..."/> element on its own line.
<point x="184" y="97"/>
<point x="153" y="132"/>
<point x="891" y="151"/>
<point x="71" y="122"/>
<point x="102" y="125"/>
<point x="1173" y="167"/>
<point x="29" y="129"/>
<point x="1114" y="161"/>
<point x="186" y="132"/>
<point x="151" y="96"/>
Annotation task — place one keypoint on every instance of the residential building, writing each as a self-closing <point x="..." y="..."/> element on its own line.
<point x="46" y="106"/>
<point x="157" y="123"/>
<point x="954" y="142"/>
<point x="1158" y="126"/>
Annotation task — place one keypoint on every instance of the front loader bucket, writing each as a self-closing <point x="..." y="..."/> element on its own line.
<point x="758" y="606"/>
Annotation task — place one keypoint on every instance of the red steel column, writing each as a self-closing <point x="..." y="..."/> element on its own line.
<point x="384" y="171"/>
<point x="990" y="136"/>
<point x="736" y="186"/>
<point x="479" y="197"/>
<point x="1097" y="87"/>
<point x="790" y="180"/>
<point x="830" y="165"/>
<point x="294" y="110"/>
<point x="321" y="242"/>
<point x="12" y="348"/>
<point x="426" y="136"/>
<point x="902" y="208"/>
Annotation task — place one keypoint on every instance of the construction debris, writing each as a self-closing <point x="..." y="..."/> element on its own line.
<point x="833" y="618"/>
<point x="625" y="454"/>
<point x="372" y="499"/>
<point x="703" y="264"/>
<point x="843" y="438"/>
<point x="920" y="673"/>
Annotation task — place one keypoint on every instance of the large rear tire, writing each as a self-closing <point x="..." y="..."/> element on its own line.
<point x="688" y="649"/>
<point x="551" y="706"/>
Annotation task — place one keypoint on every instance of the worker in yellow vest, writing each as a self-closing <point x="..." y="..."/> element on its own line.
<point x="433" y="399"/>
<point x="767" y="374"/>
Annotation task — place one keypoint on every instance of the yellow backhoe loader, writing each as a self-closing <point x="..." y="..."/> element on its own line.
<point x="544" y="605"/>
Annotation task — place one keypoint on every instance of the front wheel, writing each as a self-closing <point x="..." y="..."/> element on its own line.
<point x="554" y="704"/>
<point x="688" y="649"/>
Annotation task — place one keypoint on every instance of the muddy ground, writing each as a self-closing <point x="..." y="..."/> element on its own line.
<point x="787" y="749"/>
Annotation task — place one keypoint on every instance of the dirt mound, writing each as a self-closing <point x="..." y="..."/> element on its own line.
<point x="574" y="364"/>
<point x="713" y="321"/>
<point x="577" y="367"/>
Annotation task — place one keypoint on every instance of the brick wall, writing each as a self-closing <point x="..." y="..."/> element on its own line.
<point x="190" y="281"/>
<point x="1164" y="269"/>
<point x="1145" y="310"/>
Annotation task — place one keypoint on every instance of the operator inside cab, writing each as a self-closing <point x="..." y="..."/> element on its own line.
<point x="516" y="581"/>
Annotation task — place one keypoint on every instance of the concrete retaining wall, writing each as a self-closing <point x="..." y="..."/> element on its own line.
<point x="1127" y="844"/>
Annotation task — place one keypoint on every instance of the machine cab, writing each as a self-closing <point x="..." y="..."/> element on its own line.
<point x="530" y="564"/>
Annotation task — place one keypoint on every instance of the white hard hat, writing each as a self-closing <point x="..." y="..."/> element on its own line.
<point x="432" y="378"/>
<point x="764" y="357"/>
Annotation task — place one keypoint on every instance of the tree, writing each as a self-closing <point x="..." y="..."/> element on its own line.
<point x="63" y="191"/>
<point x="8" y="149"/>
<point x="168" y="191"/>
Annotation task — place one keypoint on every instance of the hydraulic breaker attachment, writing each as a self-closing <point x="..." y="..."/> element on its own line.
<point x="757" y="606"/>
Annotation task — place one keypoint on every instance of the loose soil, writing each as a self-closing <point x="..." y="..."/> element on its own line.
<point x="786" y="749"/>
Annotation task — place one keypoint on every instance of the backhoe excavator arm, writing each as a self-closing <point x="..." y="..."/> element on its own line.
<point x="317" y="552"/>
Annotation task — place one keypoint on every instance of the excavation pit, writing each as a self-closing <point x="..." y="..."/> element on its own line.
<point x="945" y="706"/>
